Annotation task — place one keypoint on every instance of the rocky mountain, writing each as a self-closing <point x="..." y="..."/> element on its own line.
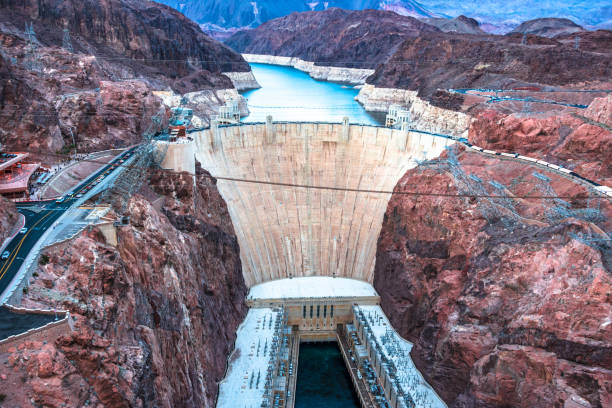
<point x="461" y="24"/>
<point x="101" y="91"/>
<point x="407" y="53"/>
<point x="488" y="290"/>
<point x="494" y="16"/>
<point x="336" y="37"/>
<point x="242" y="14"/>
<point x="494" y="62"/>
<point x="151" y="328"/>
<point x="501" y="17"/>
<point x="548" y="27"/>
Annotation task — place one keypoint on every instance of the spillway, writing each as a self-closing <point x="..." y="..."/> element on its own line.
<point x="285" y="231"/>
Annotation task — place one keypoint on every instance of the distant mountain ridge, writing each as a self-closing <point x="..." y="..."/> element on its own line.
<point x="548" y="27"/>
<point x="493" y="15"/>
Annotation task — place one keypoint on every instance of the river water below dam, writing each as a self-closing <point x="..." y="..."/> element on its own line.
<point x="289" y="94"/>
<point x="323" y="380"/>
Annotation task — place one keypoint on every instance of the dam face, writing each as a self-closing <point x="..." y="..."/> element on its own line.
<point x="285" y="231"/>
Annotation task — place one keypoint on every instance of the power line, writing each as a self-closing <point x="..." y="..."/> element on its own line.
<point x="330" y="188"/>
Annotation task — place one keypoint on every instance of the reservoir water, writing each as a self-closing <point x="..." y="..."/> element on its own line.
<point x="323" y="380"/>
<point x="292" y="95"/>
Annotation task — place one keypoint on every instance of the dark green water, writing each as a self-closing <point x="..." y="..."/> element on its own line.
<point x="323" y="380"/>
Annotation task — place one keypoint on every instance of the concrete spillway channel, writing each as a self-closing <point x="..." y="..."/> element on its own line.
<point x="307" y="253"/>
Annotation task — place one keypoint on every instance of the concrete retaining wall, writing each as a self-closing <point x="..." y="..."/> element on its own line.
<point x="49" y="332"/>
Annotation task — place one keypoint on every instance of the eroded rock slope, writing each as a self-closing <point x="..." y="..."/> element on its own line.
<point x="100" y="95"/>
<point x="504" y="310"/>
<point x="155" y="317"/>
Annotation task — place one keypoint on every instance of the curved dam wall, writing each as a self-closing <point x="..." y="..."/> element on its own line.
<point x="286" y="231"/>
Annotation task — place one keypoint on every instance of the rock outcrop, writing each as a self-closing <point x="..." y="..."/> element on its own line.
<point x="578" y="141"/>
<point x="492" y="62"/>
<point x="461" y="24"/>
<point x="548" y="27"/>
<point x="8" y="219"/>
<point x="423" y="115"/>
<point x="100" y="95"/>
<point x="154" y="318"/>
<point x="504" y="310"/>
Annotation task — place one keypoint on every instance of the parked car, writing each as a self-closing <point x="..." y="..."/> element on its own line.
<point x="23" y="230"/>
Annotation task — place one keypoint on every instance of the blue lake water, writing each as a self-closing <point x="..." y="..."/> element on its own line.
<point x="292" y="95"/>
<point x="323" y="380"/>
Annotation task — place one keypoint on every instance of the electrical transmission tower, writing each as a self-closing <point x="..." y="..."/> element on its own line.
<point x="148" y="155"/>
<point x="475" y="187"/>
<point x="577" y="43"/>
<point x="67" y="42"/>
<point x="562" y="209"/>
<point x="32" y="58"/>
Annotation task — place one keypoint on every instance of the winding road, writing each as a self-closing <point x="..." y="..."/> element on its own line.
<point x="40" y="216"/>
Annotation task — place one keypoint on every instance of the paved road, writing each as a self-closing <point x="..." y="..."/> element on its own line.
<point x="39" y="217"/>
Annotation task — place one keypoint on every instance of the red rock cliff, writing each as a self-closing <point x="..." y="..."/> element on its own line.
<point x="156" y="317"/>
<point x="502" y="314"/>
<point x="581" y="141"/>
<point x="8" y="218"/>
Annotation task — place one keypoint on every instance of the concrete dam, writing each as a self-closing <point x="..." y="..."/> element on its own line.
<point x="307" y="202"/>
<point x="287" y="232"/>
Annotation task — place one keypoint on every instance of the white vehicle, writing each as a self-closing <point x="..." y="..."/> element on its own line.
<point x="60" y="200"/>
<point x="5" y="255"/>
<point x="23" y="230"/>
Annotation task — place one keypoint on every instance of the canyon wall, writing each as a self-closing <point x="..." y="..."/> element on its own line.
<point x="286" y="231"/>
<point x="580" y="140"/>
<point x="423" y="115"/>
<point x="243" y="81"/>
<point x="155" y="317"/>
<point x="99" y="95"/>
<point x="507" y="302"/>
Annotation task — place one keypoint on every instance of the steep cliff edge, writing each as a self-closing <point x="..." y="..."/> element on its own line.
<point x="155" y="317"/>
<point x="502" y="313"/>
